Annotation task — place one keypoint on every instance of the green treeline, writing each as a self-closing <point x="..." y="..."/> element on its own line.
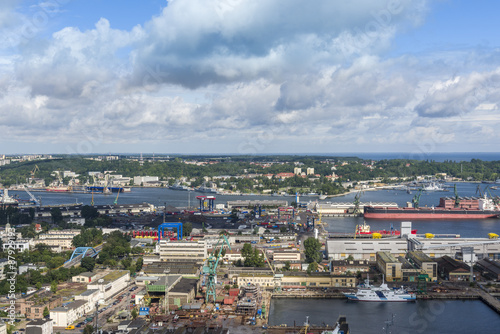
<point x="353" y="169"/>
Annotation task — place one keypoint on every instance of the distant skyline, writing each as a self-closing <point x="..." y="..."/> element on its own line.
<point x="249" y="76"/>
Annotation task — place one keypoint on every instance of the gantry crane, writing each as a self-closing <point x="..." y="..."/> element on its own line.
<point x="211" y="270"/>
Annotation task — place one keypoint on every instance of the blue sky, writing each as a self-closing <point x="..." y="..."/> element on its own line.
<point x="249" y="76"/>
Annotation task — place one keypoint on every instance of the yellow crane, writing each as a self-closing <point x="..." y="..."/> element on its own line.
<point x="33" y="171"/>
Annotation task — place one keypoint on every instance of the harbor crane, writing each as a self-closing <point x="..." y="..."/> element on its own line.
<point x="211" y="268"/>
<point x="276" y="277"/>
<point x="356" y="202"/>
<point x="33" y="198"/>
<point x="116" y="199"/>
<point x="33" y="171"/>
<point x="416" y="199"/>
<point x="457" y="198"/>
<point x="478" y="190"/>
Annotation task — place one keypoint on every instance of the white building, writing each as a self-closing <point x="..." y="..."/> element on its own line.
<point x="29" y="266"/>
<point x="141" y="180"/>
<point x="91" y="297"/>
<point x="18" y="245"/>
<point x="66" y="315"/>
<point x="111" y="284"/>
<point x="41" y="326"/>
<point x="286" y="256"/>
<point x="182" y="250"/>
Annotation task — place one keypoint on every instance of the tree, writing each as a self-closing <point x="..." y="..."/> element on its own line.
<point x="138" y="264"/>
<point x="46" y="312"/>
<point x="134" y="313"/>
<point x="88" y="263"/>
<point x="126" y="262"/>
<point x="187" y="228"/>
<point x="53" y="286"/>
<point x="312" y="250"/>
<point x="38" y="285"/>
<point x="89" y="212"/>
<point x="89" y="329"/>
<point x="56" y="215"/>
<point x="313" y="266"/>
<point x="286" y="266"/>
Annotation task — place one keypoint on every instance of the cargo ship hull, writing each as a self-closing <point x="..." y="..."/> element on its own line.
<point x="426" y="213"/>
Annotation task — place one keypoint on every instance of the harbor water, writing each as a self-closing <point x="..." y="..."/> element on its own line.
<point x="423" y="316"/>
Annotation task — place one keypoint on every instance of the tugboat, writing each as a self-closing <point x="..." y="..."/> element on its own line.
<point x="382" y="293"/>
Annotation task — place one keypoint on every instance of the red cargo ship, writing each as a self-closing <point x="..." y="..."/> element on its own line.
<point x="448" y="208"/>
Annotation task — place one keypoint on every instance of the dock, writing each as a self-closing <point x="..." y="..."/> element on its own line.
<point x="489" y="300"/>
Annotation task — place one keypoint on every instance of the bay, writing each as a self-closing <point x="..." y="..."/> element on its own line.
<point x="423" y="316"/>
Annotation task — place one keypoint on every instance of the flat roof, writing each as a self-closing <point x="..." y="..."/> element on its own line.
<point x="185" y="285"/>
<point x="73" y="305"/>
<point x="114" y="275"/>
<point x="387" y="257"/>
<point x="420" y="256"/>
<point x="88" y="292"/>
<point x="38" y="322"/>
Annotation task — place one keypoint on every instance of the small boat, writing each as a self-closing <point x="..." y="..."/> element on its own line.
<point x="382" y="293"/>
<point x="433" y="186"/>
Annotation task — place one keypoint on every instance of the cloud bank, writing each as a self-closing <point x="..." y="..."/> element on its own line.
<point x="242" y="76"/>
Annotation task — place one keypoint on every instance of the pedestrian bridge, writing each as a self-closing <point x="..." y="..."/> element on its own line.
<point x="83" y="252"/>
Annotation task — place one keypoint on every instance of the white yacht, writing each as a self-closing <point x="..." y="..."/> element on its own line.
<point x="382" y="293"/>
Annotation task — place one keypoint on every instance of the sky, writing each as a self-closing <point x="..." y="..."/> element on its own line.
<point x="249" y="76"/>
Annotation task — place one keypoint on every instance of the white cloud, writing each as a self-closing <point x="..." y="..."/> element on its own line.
<point x="249" y="77"/>
<point x="198" y="42"/>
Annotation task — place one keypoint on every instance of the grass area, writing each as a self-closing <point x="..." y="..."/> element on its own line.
<point x="114" y="275"/>
<point x="70" y="292"/>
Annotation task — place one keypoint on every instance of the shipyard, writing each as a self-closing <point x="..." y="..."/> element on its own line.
<point x="217" y="263"/>
<point x="233" y="166"/>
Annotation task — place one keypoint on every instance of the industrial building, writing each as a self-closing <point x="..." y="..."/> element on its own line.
<point x="424" y="262"/>
<point x="489" y="269"/>
<point x="75" y="210"/>
<point x="111" y="284"/>
<point x="389" y="266"/>
<point x="340" y="267"/>
<point x="179" y="290"/>
<point x="335" y="209"/>
<point x="409" y="272"/>
<point x="251" y="204"/>
<point x="434" y="247"/>
<point x="454" y="270"/>
<point x="182" y="250"/>
<point x="297" y="279"/>
<point x="364" y="249"/>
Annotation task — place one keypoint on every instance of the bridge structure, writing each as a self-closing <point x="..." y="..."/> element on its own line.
<point x="83" y="252"/>
<point x="170" y="226"/>
<point x="79" y="253"/>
